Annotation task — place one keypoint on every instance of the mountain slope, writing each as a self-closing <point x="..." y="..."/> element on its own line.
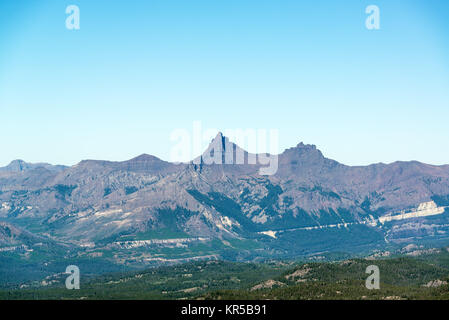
<point x="146" y="210"/>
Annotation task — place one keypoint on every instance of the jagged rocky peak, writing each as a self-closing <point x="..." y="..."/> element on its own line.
<point x="303" y="157"/>
<point x="220" y="141"/>
<point x="302" y="150"/>
<point x="301" y="145"/>
<point x="222" y="151"/>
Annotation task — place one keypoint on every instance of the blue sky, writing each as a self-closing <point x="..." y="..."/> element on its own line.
<point x="137" y="70"/>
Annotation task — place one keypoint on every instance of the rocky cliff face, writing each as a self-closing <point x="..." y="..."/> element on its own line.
<point x="96" y="203"/>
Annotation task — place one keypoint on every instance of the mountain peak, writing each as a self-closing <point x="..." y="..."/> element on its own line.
<point x="220" y="151"/>
<point x="147" y="163"/>
<point x="301" y="145"/>
<point x="20" y="166"/>
<point x="145" y="158"/>
<point x="219" y="135"/>
<point x="17" y="163"/>
<point x="220" y="140"/>
<point x="304" y="153"/>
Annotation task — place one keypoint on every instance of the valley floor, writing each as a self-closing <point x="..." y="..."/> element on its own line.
<point x="425" y="276"/>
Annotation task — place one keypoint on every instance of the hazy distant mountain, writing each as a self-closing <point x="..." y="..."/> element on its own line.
<point x="20" y="166"/>
<point x="146" y="210"/>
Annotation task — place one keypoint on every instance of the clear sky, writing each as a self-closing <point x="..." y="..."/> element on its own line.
<point x="137" y="70"/>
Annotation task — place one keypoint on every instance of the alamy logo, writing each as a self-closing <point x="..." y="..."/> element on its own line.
<point x="373" y="20"/>
<point x="227" y="148"/>
<point x="373" y="281"/>
<point x="72" y="281"/>
<point x="72" y="22"/>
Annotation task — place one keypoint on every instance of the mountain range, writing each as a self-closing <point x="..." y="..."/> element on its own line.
<point x="146" y="211"/>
